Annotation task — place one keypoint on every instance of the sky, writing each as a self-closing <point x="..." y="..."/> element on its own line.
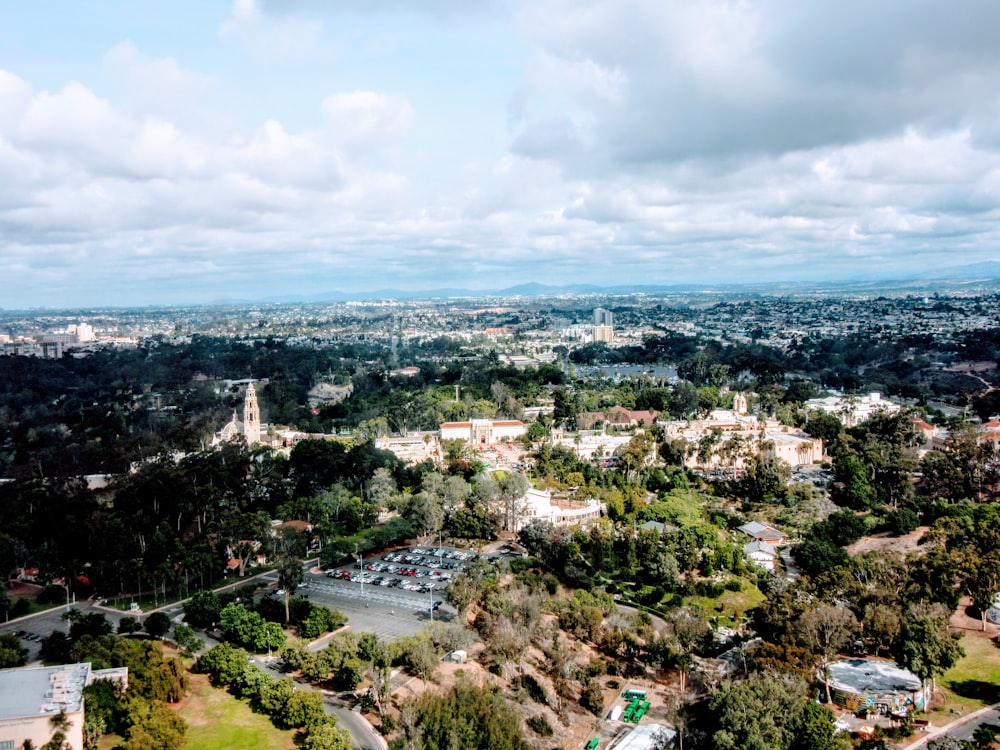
<point x="192" y="151"/>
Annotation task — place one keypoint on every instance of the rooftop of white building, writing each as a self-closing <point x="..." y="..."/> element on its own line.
<point x="27" y="692"/>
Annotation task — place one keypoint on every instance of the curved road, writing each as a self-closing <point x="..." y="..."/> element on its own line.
<point x="961" y="729"/>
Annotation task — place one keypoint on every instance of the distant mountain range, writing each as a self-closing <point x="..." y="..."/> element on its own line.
<point x="985" y="273"/>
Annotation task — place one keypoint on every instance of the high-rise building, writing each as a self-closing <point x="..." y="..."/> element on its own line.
<point x="603" y="317"/>
<point x="603" y="334"/>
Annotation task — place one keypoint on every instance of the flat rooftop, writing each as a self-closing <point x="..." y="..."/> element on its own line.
<point x="643" y="737"/>
<point x="871" y="676"/>
<point x="42" y="691"/>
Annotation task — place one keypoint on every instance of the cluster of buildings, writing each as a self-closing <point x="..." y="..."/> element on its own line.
<point x="723" y="441"/>
<point x="601" y="330"/>
<point x="762" y="549"/>
<point x="48" y="345"/>
<point x="853" y="410"/>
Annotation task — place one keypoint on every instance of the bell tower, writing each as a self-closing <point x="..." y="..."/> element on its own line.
<point x="251" y="416"/>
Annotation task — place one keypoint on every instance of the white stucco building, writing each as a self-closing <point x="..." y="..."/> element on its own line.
<point x="31" y="696"/>
<point x="852" y="410"/>
<point x="538" y="504"/>
<point x="733" y="438"/>
<point x="483" y="432"/>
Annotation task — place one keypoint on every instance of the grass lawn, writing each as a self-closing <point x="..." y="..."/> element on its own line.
<point x="218" y="721"/>
<point x="731" y="605"/>
<point x="972" y="683"/>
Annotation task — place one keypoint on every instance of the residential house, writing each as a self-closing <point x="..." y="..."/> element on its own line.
<point x="762" y="554"/>
<point x="760" y="532"/>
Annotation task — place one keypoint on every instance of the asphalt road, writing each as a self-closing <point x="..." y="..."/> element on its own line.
<point x="962" y="729"/>
<point x="45" y="623"/>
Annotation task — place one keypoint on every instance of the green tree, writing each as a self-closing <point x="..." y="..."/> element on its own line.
<point x="685" y="632"/>
<point x="12" y="653"/>
<point x="425" y="512"/>
<point x="187" y="639"/>
<point x="467" y="716"/>
<point x="826" y="631"/>
<point x="222" y="663"/>
<point x="60" y="726"/>
<point x="814" y="730"/>
<point x="983" y="582"/>
<point x="852" y="482"/>
<point x="765" y="479"/>
<point x="270" y="637"/>
<point x="243" y="533"/>
<point x="288" y="548"/>
<point x="157" y="624"/>
<point x="984" y="736"/>
<point x="327" y="736"/>
<point x="273" y="698"/>
<point x="303" y="709"/>
<point x="128" y="625"/>
<point x="591" y="697"/>
<point x="202" y="610"/>
<point x="925" y="647"/>
<point x="759" y="713"/>
<point x="153" y="726"/>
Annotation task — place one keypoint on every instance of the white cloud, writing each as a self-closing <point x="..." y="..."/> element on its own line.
<point x="720" y="78"/>
<point x="270" y="38"/>
<point x="366" y="119"/>
<point x="155" y="85"/>
<point x="651" y="140"/>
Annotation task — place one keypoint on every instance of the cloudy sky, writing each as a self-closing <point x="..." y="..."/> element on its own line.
<point x="192" y="151"/>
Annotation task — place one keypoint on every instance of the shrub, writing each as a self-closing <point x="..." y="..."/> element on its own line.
<point x="540" y="725"/>
<point x="520" y="564"/>
<point x="709" y="589"/>
<point x="591" y="698"/>
<point x="530" y="685"/>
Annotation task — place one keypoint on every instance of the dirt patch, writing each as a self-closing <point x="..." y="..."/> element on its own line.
<point x="17" y="588"/>
<point x="887" y="543"/>
<point x="193" y="710"/>
<point x="982" y="366"/>
<point x="970" y="624"/>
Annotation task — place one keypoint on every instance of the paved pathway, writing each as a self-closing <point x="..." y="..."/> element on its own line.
<point x="961" y="729"/>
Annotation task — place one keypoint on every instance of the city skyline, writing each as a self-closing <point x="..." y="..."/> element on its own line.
<point x="194" y="152"/>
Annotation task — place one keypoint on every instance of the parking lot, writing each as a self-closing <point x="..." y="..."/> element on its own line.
<point x="412" y="578"/>
<point x="419" y="570"/>
<point x="392" y="593"/>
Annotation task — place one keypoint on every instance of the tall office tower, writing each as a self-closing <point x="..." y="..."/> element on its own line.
<point x="603" y="317"/>
<point x="251" y="416"/>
